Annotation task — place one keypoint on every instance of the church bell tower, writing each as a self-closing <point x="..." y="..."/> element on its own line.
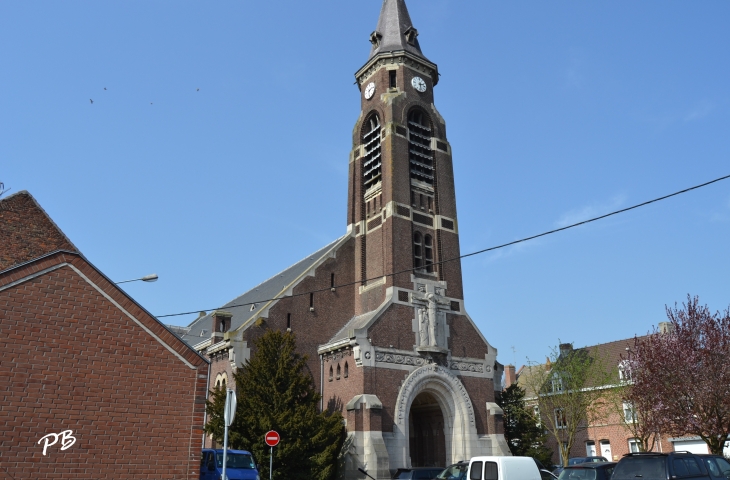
<point x="402" y="204"/>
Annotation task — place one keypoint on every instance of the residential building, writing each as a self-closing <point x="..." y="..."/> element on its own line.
<point x="91" y="384"/>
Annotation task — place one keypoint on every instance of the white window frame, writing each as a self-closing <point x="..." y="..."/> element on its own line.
<point x="624" y="371"/>
<point x="634" y="445"/>
<point x="629" y="412"/>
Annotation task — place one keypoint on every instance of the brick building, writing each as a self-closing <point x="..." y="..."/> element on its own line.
<point x="80" y="356"/>
<point x="608" y="436"/>
<point x="382" y="320"/>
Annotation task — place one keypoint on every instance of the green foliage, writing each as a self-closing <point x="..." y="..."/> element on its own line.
<point x="275" y="393"/>
<point x="521" y="427"/>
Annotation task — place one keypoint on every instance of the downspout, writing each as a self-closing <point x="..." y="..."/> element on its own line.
<point x="321" y="383"/>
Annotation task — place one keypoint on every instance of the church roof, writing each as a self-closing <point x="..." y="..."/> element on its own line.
<point x="395" y="30"/>
<point x="275" y="287"/>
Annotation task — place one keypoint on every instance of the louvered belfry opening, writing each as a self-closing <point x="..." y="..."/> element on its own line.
<point x="372" y="161"/>
<point x="419" y="147"/>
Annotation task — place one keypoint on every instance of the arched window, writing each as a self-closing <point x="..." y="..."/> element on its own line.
<point x="331" y="372"/>
<point x="372" y="161"/>
<point x="428" y="252"/>
<point x="417" y="251"/>
<point x="347" y="370"/>
<point x="338" y="372"/>
<point x="419" y="147"/>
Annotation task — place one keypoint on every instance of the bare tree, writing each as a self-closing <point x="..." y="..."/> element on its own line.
<point x="567" y="390"/>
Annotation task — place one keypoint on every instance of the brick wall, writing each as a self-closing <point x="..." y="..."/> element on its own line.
<point x="73" y="360"/>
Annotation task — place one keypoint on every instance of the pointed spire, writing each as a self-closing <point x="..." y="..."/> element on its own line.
<point x="395" y="31"/>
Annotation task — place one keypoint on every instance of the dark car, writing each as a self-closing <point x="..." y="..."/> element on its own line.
<point x="717" y="466"/>
<point x="547" y="475"/>
<point x="588" y="471"/>
<point x="579" y="460"/>
<point x="456" y="471"/>
<point x="661" y="466"/>
<point x="418" y="473"/>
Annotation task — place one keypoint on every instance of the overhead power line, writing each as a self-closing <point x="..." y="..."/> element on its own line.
<point x="485" y="250"/>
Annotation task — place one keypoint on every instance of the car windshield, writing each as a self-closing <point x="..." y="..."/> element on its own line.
<point x="454" y="472"/>
<point x="578" y="474"/>
<point x="577" y="460"/>
<point x="235" y="460"/>
<point x="405" y="474"/>
<point x="646" y="468"/>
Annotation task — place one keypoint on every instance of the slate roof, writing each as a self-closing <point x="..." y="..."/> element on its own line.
<point x="276" y="286"/>
<point x="393" y="23"/>
<point x="27" y="232"/>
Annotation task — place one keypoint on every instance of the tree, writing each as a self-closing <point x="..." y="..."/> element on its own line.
<point x="682" y="374"/>
<point x="275" y="393"/>
<point x="567" y="390"/>
<point x="522" y="429"/>
<point x="636" y="415"/>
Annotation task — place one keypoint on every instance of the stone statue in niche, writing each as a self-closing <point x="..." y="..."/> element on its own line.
<point x="433" y="316"/>
<point x="429" y="316"/>
<point x="423" y="326"/>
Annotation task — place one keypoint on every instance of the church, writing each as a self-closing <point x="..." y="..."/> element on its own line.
<point x="380" y="311"/>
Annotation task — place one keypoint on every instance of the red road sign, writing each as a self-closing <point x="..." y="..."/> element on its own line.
<point x="272" y="438"/>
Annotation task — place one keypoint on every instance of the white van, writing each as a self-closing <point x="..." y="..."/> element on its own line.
<point x="502" y="468"/>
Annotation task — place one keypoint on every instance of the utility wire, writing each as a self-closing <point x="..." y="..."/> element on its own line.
<point x="410" y="270"/>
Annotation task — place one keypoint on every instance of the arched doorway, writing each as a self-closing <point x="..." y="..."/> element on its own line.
<point x="427" y="440"/>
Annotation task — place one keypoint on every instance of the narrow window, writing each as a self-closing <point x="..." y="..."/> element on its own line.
<point x="311" y="300"/>
<point x="371" y="161"/>
<point x="428" y="252"/>
<point x="393" y="83"/>
<point x="288" y="321"/>
<point x="332" y="280"/>
<point x="422" y="203"/>
<point x="413" y="198"/>
<point x="430" y="204"/>
<point x="368" y="206"/>
<point x="338" y="372"/>
<point x="560" y="420"/>
<point x="417" y="251"/>
<point x="331" y="373"/>
<point x="347" y="370"/>
<point x="419" y="147"/>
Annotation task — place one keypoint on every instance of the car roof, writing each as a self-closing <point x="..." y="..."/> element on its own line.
<point x="591" y="465"/>
<point x="220" y="450"/>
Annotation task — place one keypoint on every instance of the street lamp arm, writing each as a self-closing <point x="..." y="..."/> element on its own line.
<point x="147" y="278"/>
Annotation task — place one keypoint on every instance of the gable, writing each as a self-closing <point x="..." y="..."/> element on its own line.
<point x="27" y="232"/>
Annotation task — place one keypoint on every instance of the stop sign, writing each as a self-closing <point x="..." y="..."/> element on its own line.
<point x="272" y="438"/>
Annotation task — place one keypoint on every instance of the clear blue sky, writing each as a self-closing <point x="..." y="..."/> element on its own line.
<point x="556" y="111"/>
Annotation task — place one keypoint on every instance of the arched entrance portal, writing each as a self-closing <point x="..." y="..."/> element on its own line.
<point x="427" y="440"/>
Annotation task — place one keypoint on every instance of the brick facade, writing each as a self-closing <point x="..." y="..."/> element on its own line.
<point x="78" y="354"/>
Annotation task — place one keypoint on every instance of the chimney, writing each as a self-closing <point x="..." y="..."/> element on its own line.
<point x="666" y="327"/>
<point x="565" y="349"/>
<point x="510" y="376"/>
<point x="221" y="324"/>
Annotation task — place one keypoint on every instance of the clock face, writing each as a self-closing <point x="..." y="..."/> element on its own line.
<point x="418" y="84"/>
<point x="369" y="90"/>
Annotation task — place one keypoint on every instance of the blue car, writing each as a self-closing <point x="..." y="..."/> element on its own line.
<point x="240" y="465"/>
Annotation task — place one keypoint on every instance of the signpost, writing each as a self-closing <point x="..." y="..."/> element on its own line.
<point x="229" y="413"/>
<point x="272" y="439"/>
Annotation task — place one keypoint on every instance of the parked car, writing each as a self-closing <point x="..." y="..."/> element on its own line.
<point x="588" y="471"/>
<point x="717" y="466"/>
<point x="547" y="474"/>
<point x="240" y="465"/>
<point x="661" y="466"/>
<point x="418" y="473"/>
<point x="503" y="468"/>
<point x="456" y="471"/>
<point x="579" y="460"/>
